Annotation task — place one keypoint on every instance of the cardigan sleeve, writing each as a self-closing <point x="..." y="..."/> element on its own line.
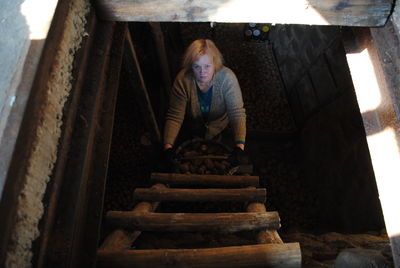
<point x="176" y="110"/>
<point x="235" y="106"/>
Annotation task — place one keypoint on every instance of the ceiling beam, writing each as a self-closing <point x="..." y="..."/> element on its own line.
<point x="367" y="13"/>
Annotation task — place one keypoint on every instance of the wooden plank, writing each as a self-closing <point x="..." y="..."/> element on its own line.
<point x="328" y="12"/>
<point x="238" y="195"/>
<point x="265" y="255"/>
<point x="121" y="239"/>
<point x="205" y="180"/>
<point x="70" y="233"/>
<point x="80" y="73"/>
<point x="199" y="222"/>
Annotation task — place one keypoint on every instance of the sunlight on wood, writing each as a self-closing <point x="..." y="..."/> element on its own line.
<point x="364" y="80"/>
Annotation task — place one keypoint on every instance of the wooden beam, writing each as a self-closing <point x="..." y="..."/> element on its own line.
<point x="329" y="12"/>
<point x="72" y="238"/>
<point x="53" y="187"/>
<point x="199" y="222"/>
<point x="235" y="195"/>
<point x="205" y="180"/>
<point x="265" y="255"/>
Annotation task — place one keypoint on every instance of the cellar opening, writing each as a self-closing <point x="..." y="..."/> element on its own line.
<point x="305" y="134"/>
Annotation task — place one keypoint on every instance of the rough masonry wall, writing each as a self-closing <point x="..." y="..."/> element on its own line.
<point x="335" y="156"/>
<point x="43" y="156"/>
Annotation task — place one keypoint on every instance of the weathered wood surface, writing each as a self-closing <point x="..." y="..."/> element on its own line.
<point x="121" y="239"/>
<point x="239" y="195"/>
<point x="264" y="236"/>
<point x="327" y="12"/>
<point x="199" y="222"/>
<point x="265" y="255"/>
<point x="204" y="180"/>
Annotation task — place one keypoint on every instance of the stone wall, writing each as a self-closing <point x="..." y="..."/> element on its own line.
<point x="335" y="159"/>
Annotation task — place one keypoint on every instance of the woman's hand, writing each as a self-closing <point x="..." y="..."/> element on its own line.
<point x="238" y="156"/>
<point x="170" y="159"/>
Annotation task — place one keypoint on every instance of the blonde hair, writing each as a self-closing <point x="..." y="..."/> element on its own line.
<point x="199" y="48"/>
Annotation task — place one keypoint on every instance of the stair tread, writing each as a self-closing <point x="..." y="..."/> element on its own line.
<point x="209" y="194"/>
<point x="260" y="255"/>
<point x="205" y="180"/>
<point x="177" y="222"/>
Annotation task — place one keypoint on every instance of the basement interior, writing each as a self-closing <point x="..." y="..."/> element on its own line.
<point x="84" y="178"/>
<point x="305" y="136"/>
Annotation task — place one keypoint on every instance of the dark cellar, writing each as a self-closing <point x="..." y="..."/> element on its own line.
<point x="305" y="133"/>
<point x="84" y="97"/>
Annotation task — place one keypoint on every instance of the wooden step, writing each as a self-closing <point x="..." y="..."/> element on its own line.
<point x="264" y="255"/>
<point x="190" y="222"/>
<point x="205" y="180"/>
<point x="239" y="195"/>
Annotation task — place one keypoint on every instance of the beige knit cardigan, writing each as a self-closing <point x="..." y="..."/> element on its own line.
<point x="226" y="107"/>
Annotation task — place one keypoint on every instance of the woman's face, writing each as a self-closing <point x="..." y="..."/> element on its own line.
<point x="203" y="69"/>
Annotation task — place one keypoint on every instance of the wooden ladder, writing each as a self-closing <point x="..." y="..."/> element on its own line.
<point x="267" y="251"/>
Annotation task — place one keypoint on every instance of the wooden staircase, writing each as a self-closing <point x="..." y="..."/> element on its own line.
<point x="268" y="249"/>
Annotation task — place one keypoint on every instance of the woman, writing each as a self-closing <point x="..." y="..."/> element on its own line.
<point x="206" y="95"/>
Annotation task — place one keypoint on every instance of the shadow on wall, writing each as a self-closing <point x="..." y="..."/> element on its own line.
<point x="336" y="165"/>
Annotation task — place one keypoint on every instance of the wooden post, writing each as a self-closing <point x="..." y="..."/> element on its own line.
<point x="200" y="222"/>
<point x="204" y="180"/>
<point x="264" y="236"/>
<point x="265" y="255"/>
<point x="329" y="12"/>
